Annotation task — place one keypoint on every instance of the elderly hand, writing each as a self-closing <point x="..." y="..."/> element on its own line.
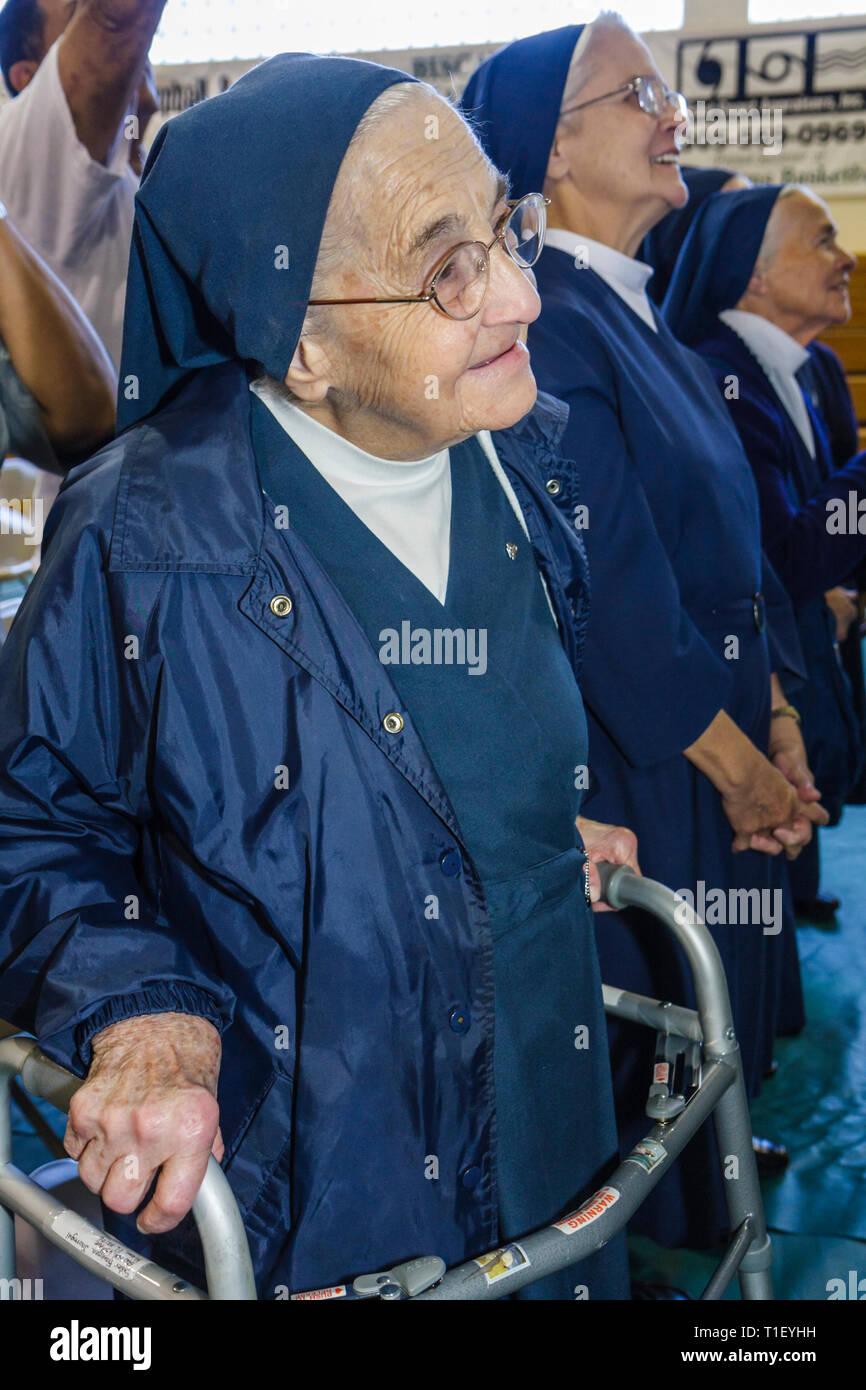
<point x="845" y="607"/>
<point x="610" y="844"/>
<point x="763" y="808"/>
<point x="768" y="814"/>
<point x="787" y="752"/>
<point x="148" y="1104"/>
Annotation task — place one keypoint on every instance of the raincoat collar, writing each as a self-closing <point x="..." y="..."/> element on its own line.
<point x="189" y="497"/>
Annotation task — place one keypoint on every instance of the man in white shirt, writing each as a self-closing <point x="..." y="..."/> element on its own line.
<point x="70" y="139"/>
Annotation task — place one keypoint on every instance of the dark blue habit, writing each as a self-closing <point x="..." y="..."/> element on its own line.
<point x="793" y="487"/>
<point x="511" y="784"/>
<point x="229" y="284"/>
<point x="833" y="397"/>
<point x="673" y="538"/>
<point x="661" y="245"/>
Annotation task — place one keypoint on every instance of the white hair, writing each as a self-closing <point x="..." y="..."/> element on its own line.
<point x="584" y="60"/>
<point x="773" y="233"/>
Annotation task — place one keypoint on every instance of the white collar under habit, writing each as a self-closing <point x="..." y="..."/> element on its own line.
<point x="781" y="357"/>
<point x="407" y="505"/>
<point x="628" y="277"/>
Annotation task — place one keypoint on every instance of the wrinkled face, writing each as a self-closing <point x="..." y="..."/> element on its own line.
<point x="806" y="278"/>
<point x="404" y="379"/>
<point x="616" y="152"/>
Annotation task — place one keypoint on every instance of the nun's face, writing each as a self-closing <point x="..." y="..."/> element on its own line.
<point x="614" y="168"/>
<point x="804" y="286"/>
<point x="403" y="380"/>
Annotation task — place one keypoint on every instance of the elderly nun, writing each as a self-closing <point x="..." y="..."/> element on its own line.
<point x="293" y="740"/>
<point x="677" y="675"/>
<point x="760" y="276"/>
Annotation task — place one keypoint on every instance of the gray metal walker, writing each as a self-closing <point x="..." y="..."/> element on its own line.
<point x="696" y="1044"/>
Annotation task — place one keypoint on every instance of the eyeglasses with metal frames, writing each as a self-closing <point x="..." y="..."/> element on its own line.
<point x="460" y="280"/>
<point x="652" y="96"/>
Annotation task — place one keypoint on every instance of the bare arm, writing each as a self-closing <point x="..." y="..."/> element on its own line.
<point x="100" y="58"/>
<point x="54" y="349"/>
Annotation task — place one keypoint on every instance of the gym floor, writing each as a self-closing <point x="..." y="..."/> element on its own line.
<point x="816" y="1104"/>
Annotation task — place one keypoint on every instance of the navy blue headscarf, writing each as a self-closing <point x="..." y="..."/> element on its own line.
<point x="715" y="266"/>
<point x="229" y="218"/>
<point x="661" y="246"/>
<point x="513" y="101"/>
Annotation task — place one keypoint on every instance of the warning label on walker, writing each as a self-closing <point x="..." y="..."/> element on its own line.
<point x="103" y="1249"/>
<point x="589" y="1212"/>
<point x="335" y="1291"/>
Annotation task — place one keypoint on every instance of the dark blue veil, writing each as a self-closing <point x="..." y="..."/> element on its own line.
<point x="228" y="222"/>
<point x="661" y="246"/>
<point x="513" y="100"/>
<point x="716" y="262"/>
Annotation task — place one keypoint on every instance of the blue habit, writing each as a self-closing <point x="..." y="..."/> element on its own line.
<point x="505" y="736"/>
<point x="672" y="533"/>
<point x="794" y="489"/>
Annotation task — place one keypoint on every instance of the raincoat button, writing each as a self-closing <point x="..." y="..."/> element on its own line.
<point x="553" y="486"/>
<point x="393" y="723"/>
<point x="470" y="1177"/>
<point x="450" y="863"/>
<point x="281" y="605"/>
<point x="460" y="1020"/>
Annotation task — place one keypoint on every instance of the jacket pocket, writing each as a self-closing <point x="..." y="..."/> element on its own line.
<point x="262" y="1144"/>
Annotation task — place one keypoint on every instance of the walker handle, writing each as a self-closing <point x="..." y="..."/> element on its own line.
<point x="228" y="1267"/>
<point x="622" y="887"/>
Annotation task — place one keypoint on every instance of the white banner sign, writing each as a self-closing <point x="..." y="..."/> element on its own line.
<point x="787" y="106"/>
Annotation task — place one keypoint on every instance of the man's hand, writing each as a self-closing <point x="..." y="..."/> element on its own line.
<point x="149" y="1103"/>
<point x="609" y="844"/>
<point x="101" y="60"/>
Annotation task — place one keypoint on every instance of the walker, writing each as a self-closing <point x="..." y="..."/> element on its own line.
<point x="697" y="1072"/>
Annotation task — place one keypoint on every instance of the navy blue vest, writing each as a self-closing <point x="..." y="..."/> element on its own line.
<point x="484" y="676"/>
<point x="486" y="682"/>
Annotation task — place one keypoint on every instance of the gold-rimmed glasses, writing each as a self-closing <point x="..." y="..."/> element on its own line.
<point x="459" y="283"/>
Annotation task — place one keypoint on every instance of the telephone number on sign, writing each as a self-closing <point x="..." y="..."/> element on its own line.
<point x="822" y="132"/>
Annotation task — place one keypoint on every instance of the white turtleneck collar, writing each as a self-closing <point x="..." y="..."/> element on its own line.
<point x="407" y="505"/>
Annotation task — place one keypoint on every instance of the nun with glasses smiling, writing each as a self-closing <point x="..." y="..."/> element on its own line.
<point x="293" y="869"/>
<point x="678" y="677"/>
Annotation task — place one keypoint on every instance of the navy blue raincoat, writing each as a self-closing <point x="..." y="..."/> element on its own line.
<point x="154" y="708"/>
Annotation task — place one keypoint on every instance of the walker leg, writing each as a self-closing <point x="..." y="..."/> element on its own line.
<point x="7" y="1219"/>
<point x="742" y="1189"/>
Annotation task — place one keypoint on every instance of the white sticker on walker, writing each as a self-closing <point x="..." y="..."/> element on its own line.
<point x="99" y="1246"/>
<point x="337" y="1291"/>
<point x="589" y="1212"/>
<point x="661" y="1071"/>
<point x="647" y="1153"/>
<point x="498" y="1264"/>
